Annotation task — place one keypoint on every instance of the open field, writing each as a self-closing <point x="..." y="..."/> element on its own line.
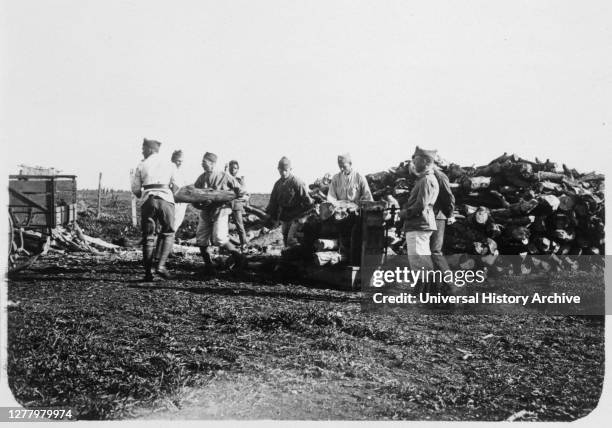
<point x="86" y="335"/>
<point x="83" y="333"/>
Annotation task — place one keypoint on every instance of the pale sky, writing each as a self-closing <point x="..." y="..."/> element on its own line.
<point x="82" y="82"/>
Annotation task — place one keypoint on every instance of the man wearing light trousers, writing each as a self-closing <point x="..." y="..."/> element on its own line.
<point x="418" y="213"/>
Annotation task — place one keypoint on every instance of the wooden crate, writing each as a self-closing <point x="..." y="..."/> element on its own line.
<point x="42" y="202"/>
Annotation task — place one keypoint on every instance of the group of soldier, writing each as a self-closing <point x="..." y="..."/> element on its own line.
<point x="156" y="180"/>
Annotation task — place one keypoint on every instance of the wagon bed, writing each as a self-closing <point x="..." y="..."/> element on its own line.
<point x="37" y="204"/>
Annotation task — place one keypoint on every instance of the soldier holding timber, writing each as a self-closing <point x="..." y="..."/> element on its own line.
<point x="213" y="224"/>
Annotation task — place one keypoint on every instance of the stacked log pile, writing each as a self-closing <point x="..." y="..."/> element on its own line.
<point x="514" y="206"/>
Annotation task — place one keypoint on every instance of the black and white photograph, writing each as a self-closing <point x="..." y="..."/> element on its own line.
<point x="290" y="210"/>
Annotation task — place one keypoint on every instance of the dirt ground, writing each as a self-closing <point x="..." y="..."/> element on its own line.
<point x="84" y="333"/>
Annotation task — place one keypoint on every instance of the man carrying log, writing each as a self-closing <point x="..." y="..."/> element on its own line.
<point x="213" y="224"/>
<point x="349" y="185"/>
<point x="238" y="204"/>
<point x="154" y="181"/>
<point x="288" y="201"/>
<point x="418" y="213"/>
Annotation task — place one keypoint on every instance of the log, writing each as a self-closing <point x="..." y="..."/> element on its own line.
<point x="480" y="216"/>
<point x="257" y="211"/>
<point x="521" y="208"/>
<point x="99" y="242"/>
<point x="185" y="249"/>
<point x="339" y="209"/>
<point x="549" y="203"/>
<point x="488" y="170"/>
<point x="475" y="183"/>
<point x="323" y="258"/>
<point x="551" y="176"/>
<point x="190" y="194"/>
<point x="564" y="235"/>
<point x="326" y="244"/>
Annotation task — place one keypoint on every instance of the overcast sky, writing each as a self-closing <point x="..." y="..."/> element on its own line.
<point x="84" y="81"/>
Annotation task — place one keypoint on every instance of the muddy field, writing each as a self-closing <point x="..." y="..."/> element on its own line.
<point x="85" y="334"/>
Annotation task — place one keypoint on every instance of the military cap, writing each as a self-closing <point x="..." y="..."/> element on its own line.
<point x="431" y="154"/>
<point x="210" y="156"/>
<point x="284" y="162"/>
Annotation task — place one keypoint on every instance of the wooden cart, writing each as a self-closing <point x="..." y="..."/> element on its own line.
<point x="37" y="203"/>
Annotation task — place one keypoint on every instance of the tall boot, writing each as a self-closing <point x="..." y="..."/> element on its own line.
<point x="148" y="249"/>
<point x="158" y="248"/>
<point x="166" y="248"/>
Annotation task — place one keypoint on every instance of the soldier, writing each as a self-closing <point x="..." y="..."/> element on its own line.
<point x="349" y="185"/>
<point x="213" y="224"/>
<point x="154" y="182"/>
<point x="289" y="199"/>
<point x="239" y="203"/>
<point x="418" y="213"/>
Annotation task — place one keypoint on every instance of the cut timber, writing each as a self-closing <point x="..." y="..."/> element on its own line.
<point x="257" y="211"/>
<point x="323" y="258"/>
<point x="99" y="242"/>
<point x="475" y="183"/>
<point x="338" y="209"/>
<point x="185" y="249"/>
<point x="326" y="244"/>
<point x="190" y="194"/>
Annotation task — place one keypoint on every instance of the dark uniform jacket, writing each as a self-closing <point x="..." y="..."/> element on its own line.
<point x="419" y="209"/>
<point x="288" y="199"/>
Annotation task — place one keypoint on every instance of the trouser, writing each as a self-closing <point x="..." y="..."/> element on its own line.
<point x="239" y="222"/>
<point x="156" y="211"/>
<point x="213" y="227"/>
<point x="289" y="229"/>
<point x="435" y="243"/>
<point x="419" y="254"/>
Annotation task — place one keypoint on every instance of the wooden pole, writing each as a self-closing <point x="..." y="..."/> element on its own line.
<point x="99" y="193"/>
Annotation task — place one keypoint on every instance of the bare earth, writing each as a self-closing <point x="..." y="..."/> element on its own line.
<point x="84" y="333"/>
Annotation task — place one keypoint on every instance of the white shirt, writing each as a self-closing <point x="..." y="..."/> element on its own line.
<point x="155" y="170"/>
<point x="351" y="187"/>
